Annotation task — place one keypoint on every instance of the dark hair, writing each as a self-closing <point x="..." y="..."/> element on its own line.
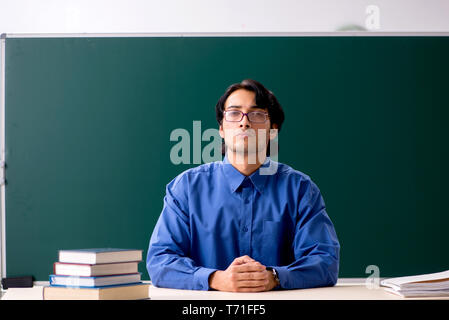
<point x="265" y="99"/>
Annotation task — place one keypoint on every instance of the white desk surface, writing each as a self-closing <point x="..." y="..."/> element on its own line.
<point x="346" y="289"/>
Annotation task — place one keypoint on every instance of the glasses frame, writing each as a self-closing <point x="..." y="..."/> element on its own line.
<point x="247" y="115"/>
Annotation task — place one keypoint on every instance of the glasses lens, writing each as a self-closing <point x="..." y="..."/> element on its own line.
<point x="233" y="115"/>
<point x="257" y="116"/>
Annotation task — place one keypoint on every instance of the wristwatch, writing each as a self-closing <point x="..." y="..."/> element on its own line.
<point x="275" y="275"/>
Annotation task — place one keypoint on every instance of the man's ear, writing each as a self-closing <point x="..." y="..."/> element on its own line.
<point x="274" y="133"/>
<point x="220" y="130"/>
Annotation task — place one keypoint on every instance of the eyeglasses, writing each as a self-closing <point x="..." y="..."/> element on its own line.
<point x="253" y="116"/>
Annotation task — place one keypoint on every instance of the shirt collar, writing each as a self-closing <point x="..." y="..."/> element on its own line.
<point x="235" y="178"/>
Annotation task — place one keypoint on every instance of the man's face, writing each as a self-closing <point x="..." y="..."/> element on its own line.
<point x="243" y="136"/>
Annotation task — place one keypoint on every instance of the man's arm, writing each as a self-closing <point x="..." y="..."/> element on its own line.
<point x="315" y="246"/>
<point x="168" y="261"/>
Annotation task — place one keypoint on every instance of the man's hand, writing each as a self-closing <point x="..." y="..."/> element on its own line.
<point x="244" y="274"/>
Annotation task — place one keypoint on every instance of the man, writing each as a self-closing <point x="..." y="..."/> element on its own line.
<point x="237" y="225"/>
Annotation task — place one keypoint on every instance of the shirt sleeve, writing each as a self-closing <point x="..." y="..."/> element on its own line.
<point x="168" y="261"/>
<point x="315" y="245"/>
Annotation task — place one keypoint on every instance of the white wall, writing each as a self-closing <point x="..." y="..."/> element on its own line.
<point x="147" y="16"/>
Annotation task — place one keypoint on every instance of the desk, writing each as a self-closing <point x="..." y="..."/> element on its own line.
<point x="346" y="289"/>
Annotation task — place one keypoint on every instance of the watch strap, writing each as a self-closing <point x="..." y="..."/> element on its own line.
<point x="275" y="275"/>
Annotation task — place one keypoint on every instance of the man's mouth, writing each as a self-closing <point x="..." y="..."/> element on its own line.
<point x="244" y="134"/>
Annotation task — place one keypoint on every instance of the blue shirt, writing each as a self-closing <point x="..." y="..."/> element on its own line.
<point x="213" y="214"/>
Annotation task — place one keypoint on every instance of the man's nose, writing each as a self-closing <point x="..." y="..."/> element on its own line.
<point x="245" y="121"/>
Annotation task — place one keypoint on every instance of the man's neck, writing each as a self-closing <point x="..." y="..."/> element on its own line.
<point x="245" y="164"/>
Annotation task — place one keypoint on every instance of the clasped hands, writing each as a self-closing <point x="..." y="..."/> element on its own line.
<point x="244" y="274"/>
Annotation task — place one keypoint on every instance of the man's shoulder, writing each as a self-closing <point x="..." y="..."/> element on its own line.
<point x="286" y="171"/>
<point x="295" y="178"/>
<point x="206" y="168"/>
<point x="201" y="171"/>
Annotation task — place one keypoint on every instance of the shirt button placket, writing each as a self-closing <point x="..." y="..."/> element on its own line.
<point x="246" y="222"/>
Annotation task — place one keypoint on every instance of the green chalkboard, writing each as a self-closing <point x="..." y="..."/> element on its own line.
<point x="88" y="124"/>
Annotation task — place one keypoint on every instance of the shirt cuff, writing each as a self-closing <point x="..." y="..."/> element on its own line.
<point x="284" y="278"/>
<point x="201" y="278"/>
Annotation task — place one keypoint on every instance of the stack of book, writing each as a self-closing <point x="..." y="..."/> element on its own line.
<point x="425" y="285"/>
<point x="97" y="274"/>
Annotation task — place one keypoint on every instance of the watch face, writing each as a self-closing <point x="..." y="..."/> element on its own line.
<point x="275" y="274"/>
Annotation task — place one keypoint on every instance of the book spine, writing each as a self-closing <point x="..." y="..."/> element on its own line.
<point x="99" y="287"/>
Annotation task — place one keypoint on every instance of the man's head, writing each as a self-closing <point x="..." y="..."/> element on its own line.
<point x="263" y="109"/>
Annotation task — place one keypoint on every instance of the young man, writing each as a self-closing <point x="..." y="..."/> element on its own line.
<point x="237" y="224"/>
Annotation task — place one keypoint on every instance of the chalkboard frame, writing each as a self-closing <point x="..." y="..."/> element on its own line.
<point x="4" y="37"/>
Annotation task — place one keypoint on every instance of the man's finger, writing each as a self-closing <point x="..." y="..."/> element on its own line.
<point x="252" y="283"/>
<point x="249" y="267"/>
<point x="251" y="276"/>
<point x="242" y="260"/>
<point x="251" y="289"/>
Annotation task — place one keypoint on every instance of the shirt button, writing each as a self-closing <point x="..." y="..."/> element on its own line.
<point x="245" y="229"/>
<point x="246" y="201"/>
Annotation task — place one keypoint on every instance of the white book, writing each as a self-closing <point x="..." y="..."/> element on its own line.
<point x="419" y="293"/>
<point x="92" y="270"/>
<point x="122" y="292"/>
<point x="99" y="255"/>
<point x="430" y="281"/>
